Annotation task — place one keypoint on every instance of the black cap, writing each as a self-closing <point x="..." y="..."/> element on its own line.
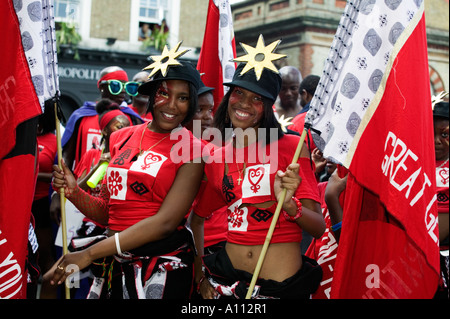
<point x="441" y="109"/>
<point x="185" y="71"/>
<point x="269" y="84"/>
<point x="204" y="89"/>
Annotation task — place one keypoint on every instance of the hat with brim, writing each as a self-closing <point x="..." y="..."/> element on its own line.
<point x="185" y="71"/>
<point x="441" y="109"/>
<point x="204" y="89"/>
<point x="269" y="84"/>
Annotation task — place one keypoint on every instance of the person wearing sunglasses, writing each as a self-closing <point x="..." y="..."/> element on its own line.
<point x="117" y="89"/>
<point x="82" y="129"/>
<point x="140" y="101"/>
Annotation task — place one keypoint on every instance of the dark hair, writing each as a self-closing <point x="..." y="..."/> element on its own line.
<point x="47" y="121"/>
<point x="106" y="105"/>
<point x="193" y="101"/>
<point x="309" y="84"/>
<point x="268" y="120"/>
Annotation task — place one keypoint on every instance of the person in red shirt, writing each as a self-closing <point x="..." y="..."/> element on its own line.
<point x="146" y="196"/>
<point x="111" y="119"/>
<point x="215" y="226"/>
<point x="441" y="145"/>
<point x="247" y="175"/>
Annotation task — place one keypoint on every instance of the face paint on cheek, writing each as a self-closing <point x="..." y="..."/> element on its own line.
<point x="259" y="106"/>
<point x="235" y="98"/>
<point x="162" y="94"/>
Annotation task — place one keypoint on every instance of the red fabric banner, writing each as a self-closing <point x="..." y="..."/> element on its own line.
<point x="18" y="124"/>
<point x="18" y="104"/>
<point x="217" y="50"/>
<point x="15" y="213"/>
<point x="389" y="239"/>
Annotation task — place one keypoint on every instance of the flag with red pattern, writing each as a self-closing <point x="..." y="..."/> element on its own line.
<point x="373" y="109"/>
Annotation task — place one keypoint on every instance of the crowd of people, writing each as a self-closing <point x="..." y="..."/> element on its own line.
<point x="188" y="196"/>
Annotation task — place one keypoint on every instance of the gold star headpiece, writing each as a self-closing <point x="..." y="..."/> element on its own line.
<point x="285" y="122"/>
<point x="438" y="98"/>
<point x="260" y="57"/>
<point x="165" y="60"/>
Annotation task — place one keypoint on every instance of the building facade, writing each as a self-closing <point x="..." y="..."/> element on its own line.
<point x="307" y="28"/>
<point x="110" y="30"/>
<point x="110" y="35"/>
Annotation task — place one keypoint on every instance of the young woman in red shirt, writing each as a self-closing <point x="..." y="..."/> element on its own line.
<point x="248" y="175"/>
<point x="145" y="197"/>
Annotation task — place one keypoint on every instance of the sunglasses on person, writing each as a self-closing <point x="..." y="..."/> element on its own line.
<point x="115" y="87"/>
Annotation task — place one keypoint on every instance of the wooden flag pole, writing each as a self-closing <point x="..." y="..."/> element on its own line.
<point x="274" y="221"/>
<point x="61" y="195"/>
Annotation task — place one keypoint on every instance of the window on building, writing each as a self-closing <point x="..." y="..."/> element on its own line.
<point x="67" y="10"/>
<point x="152" y="9"/>
<point x="151" y="15"/>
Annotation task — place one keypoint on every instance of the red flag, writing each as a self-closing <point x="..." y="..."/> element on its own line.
<point x="26" y="80"/>
<point x="218" y="49"/>
<point x="15" y="80"/>
<point x="389" y="238"/>
<point x="18" y="174"/>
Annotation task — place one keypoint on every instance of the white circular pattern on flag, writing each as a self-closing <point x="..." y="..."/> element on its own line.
<point x="36" y="21"/>
<point x="226" y="36"/>
<point x="354" y="69"/>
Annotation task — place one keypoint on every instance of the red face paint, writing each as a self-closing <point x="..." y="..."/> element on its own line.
<point x="162" y="94"/>
<point x="245" y="108"/>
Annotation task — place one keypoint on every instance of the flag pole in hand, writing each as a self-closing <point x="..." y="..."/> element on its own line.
<point x="62" y="196"/>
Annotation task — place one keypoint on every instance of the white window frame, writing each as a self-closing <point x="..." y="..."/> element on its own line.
<point x="136" y="19"/>
<point x="82" y="20"/>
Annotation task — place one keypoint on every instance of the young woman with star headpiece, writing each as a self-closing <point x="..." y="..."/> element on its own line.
<point x="250" y="186"/>
<point x="146" y="195"/>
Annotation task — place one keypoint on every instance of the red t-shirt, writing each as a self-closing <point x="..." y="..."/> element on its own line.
<point x="138" y="186"/>
<point x="47" y="147"/>
<point x="89" y="137"/>
<point x="228" y="185"/>
<point x="215" y="228"/>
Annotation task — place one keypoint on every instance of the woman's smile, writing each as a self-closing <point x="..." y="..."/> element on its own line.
<point x="245" y="108"/>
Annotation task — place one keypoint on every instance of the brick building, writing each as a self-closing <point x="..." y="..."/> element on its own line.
<point x="110" y="28"/>
<point x="307" y="27"/>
